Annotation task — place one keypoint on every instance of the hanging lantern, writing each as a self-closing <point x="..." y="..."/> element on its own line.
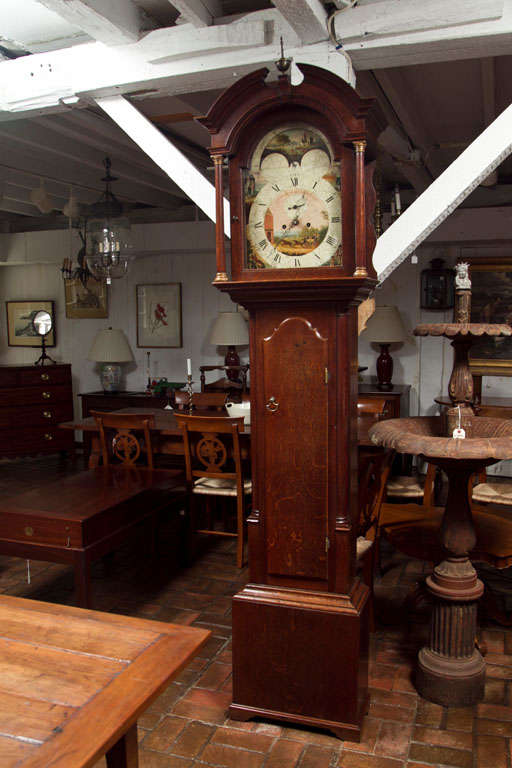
<point x="108" y="237"/>
<point x="437" y="286"/>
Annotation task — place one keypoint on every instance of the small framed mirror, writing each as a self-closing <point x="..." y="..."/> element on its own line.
<point x="42" y="324"/>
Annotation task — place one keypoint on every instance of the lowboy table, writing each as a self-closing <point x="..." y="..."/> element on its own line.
<point x="73" y="682"/>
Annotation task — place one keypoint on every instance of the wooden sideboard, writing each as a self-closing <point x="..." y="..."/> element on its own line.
<point x="397" y="399"/>
<point x="33" y="401"/>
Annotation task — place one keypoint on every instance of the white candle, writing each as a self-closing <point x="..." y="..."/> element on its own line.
<point x="189" y="367"/>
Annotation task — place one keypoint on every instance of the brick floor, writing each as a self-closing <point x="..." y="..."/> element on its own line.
<point x="187" y="726"/>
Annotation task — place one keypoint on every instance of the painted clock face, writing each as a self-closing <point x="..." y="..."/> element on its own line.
<point x="293" y="201"/>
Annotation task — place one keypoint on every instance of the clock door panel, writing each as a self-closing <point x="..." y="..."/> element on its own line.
<point x="295" y="440"/>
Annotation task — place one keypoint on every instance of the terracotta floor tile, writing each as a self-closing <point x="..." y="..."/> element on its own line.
<point x="356" y="760"/>
<point x="284" y="754"/>
<point x="442" y="738"/>
<point x="494" y="727"/>
<point x="394" y="698"/>
<point x="214" y="677"/>
<point x="455" y="758"/>
<point x="494" y="712"/>
<point x="227" y="757"/>
<point x="308" y="736"/>
<point x="149" y="720"/>
<point x="499" y="671"/>
<point x="192" y="739"/>
<point x="393" y="739"/>
<point x="428" y="713"/>
<point x="268" y="729"/>
<point x="459" y="718"/>
<point x="240" y="725"/>
<point x="384" y="712"/>
<point x="167" y="699"/>
<point x="156" y="760"/>
<point x="369" y="733"/>
<point x="161" y="738"/>
<point x="494" y="640"/>
<point x="256" y="742"/>
<point x="317" y="757"/>
<point x="491" y="751"/>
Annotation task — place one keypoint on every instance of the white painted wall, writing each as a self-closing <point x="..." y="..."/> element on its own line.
<point x="181" y="252"/>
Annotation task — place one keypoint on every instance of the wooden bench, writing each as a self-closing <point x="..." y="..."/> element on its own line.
<point x="82" y="517"/>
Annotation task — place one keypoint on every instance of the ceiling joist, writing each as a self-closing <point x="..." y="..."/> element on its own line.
<point x="308" y="18"/>
<point x="116" y="22"/>
<point x="200" y="13"/>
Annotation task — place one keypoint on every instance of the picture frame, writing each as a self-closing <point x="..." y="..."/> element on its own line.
<point x="491" y="302"/>
<point x="86" y="301"/>
<point x="159" y="322"/>
<point x="20" y="332"/>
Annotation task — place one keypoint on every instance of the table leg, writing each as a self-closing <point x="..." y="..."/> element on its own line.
<point x="125" y="752"/>
<point x="82" y="580"/>
<point x="95" y="454"/>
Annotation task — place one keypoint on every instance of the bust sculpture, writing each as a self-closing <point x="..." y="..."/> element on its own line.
<point x="462" y="280"/>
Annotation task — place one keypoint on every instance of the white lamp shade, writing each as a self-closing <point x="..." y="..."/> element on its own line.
<point x="110" y="346"/>
<point x="229" y="329"/>
<point x="385" y="326"/>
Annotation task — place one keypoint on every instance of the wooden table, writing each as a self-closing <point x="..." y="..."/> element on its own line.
<point x="166" y="435"/>
<point x="73" y="682"/>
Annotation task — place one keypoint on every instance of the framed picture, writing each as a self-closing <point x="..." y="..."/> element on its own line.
<point x="86" y="301"/>
<point x="159" y="315"/>
<point x="20" y="331"/>
<point x="491" y="283"/>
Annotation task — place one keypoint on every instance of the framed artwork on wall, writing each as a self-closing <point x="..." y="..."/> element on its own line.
<point x="491" y="283"/>
<point x="159" y="315"/>
<point x="86" y="301"/>
<point x="20" y="331"/>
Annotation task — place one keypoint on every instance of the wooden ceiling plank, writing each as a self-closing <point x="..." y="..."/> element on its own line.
<point x="165" y="154"/>
<point x="488" y="75"/>
<point x="198" y="13"/>
<point x="308" y="18"/>
<point x="115" y="22"/>
<point x="444" y="195"/>
<point x="51" y="143"/>
<point x="70" y="171"/>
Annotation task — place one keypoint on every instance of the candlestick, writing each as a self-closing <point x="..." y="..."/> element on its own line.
<point x="189" y="367"/>
<point x="190" y="392"/>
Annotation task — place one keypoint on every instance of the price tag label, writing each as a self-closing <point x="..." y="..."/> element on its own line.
<point x="459" y="432"/>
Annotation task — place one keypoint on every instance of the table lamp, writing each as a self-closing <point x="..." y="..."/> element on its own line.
<point x="110" y="347"/>
<point x="230" y="330"/>
<point x="385" y="327"/>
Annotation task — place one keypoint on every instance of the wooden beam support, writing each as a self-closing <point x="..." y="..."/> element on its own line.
<point x="165" y="155"/>
<point x="443" y="196"/>
<point x="200" y="13"/>
<point x="115" y="22"/>
<point x="308" y="18"/>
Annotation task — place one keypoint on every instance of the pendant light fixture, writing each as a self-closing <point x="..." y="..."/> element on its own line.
<point x="108" y="240"/>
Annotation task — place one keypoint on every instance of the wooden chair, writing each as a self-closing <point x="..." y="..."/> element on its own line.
<point x="125" y="440"/>
<point x="373" y="472"/>
<point x="202" y="401"/>
<point x="489" y="492"/>
<point x="215" y="469"/>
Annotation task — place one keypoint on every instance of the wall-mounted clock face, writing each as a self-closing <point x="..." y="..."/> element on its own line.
<point x="292" y="196"/>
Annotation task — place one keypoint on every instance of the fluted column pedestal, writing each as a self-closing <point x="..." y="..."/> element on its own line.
<point x="451" y="671"/>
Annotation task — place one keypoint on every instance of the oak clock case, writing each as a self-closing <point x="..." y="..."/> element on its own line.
<point x="297" y="158"/>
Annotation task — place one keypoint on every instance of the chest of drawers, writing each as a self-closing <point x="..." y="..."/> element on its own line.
<point x="33" y="401"/>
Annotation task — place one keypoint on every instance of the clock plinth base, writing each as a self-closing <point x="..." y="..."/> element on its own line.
<point x="301" y="657"/>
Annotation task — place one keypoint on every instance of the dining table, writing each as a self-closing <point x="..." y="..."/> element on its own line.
<point x="166" y="435"/>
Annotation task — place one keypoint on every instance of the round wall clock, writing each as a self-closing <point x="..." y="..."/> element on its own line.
<point x="292" y="197"/>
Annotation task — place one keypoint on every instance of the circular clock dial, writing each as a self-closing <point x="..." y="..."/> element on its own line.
<point x="296" y="222"/>
<point x="293" y="199"/>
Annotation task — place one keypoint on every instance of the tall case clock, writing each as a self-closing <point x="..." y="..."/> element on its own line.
<point x="301" y="197"/>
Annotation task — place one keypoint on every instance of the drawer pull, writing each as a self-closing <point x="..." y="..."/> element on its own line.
<point x="48" y="436"/>
<point x="45" y="377"/>
<point x="47" y="395"/>
<point x="47" y="414"/>
<point x="29" y="531"/>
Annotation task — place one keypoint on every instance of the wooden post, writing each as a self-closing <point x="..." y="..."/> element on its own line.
<point x="221" y="275"/>
<point x="360" y="270"/>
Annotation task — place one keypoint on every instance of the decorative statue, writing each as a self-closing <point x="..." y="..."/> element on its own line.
<point x="462" y="280"/>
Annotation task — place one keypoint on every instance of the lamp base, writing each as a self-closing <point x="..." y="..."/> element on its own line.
<point x="110" y="377"/>
<point x="232" y="359"/>
<point x="384" y="369"/>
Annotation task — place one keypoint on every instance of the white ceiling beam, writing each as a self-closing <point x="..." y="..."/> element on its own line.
<point x="165" y="155"/>
<point x="308" y="18"/>
<point x="197" y="12"/>
<point x="41" y="81"/>
<point x="25" y="209"/>
<point x="115" y="22"/>
<point x="402" y="46"/>
<point x="444" y="195"/>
